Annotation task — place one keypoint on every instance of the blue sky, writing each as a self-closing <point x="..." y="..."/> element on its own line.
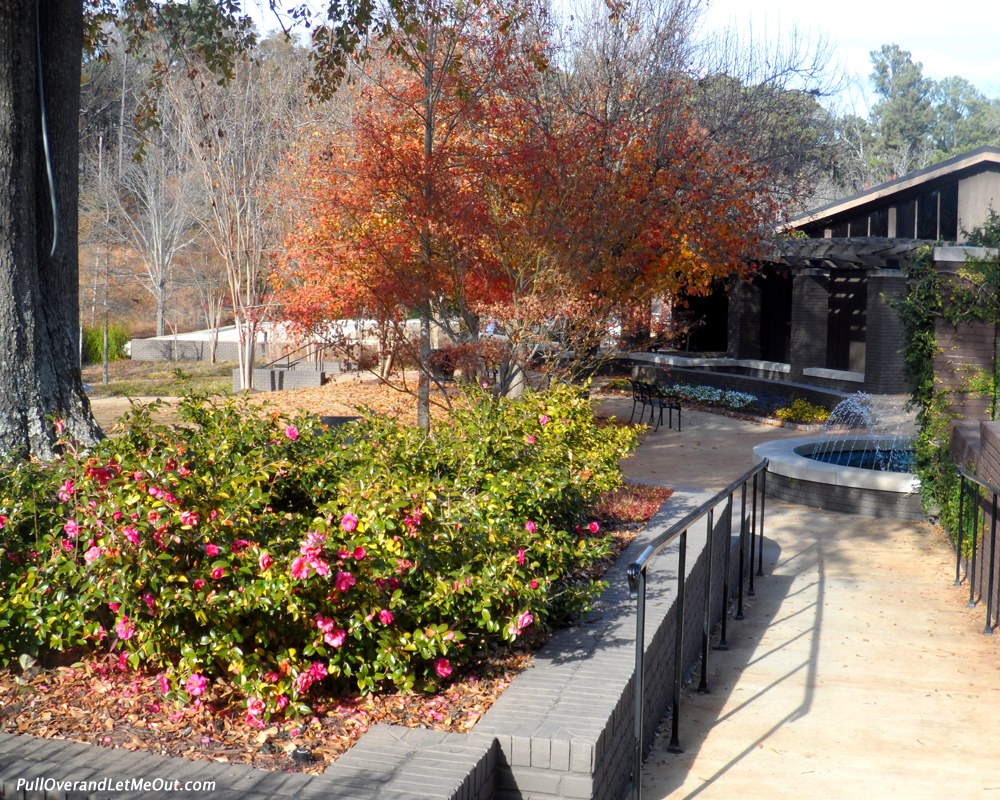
<point x="949" y="38"/>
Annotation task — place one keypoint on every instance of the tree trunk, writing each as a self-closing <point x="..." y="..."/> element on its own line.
<point x="39" y="291"/>
<point x="423" y="383"/>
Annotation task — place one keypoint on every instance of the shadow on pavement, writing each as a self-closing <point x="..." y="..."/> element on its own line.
<point x="663" y="772"/>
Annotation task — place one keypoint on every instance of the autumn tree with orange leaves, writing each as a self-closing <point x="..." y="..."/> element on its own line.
<point x="479" y="184"/>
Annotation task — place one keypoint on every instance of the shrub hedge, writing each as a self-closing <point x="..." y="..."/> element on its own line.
<point x="273" y="555"/>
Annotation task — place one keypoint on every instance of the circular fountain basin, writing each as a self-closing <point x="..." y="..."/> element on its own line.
<point x="796" y="478"/>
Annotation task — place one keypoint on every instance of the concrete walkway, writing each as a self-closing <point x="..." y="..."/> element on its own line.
<point x="859" y="670"/>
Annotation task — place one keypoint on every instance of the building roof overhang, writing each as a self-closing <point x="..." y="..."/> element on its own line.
<point x="980" y="157"/>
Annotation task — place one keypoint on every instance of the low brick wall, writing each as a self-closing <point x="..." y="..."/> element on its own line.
<point x="276" y="380"/>
<point x="711" y="376"/>
<point x="187" y="350"/>
<point x="845" y="499"/>
<point x="565" y="726"/>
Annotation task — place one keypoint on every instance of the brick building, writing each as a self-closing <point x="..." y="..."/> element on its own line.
<point x="817" y="312"/>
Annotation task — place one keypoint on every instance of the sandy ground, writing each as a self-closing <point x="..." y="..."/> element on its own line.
<point x="708" y="452"/>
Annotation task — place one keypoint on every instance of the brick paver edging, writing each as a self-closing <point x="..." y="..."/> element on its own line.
<point x="563" y="728"/>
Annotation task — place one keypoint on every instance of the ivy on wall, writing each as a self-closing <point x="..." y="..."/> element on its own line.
<point x="967" y="295"/>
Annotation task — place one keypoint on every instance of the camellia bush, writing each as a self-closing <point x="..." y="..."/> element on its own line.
<point x="269" y="556"/>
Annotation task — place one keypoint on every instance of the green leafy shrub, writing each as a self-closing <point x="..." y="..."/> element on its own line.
<point x="276" y="555"/>
<point x="619" y="385"/>
<point x="93" y="343"/>
<point x="802" y="411"/>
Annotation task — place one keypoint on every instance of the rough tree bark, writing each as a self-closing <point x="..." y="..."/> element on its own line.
<point x="39" y="293"/>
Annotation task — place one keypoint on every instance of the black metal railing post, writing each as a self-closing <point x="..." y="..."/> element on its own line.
<point x="743" y="539"/>
<point x="975" y="542"/>
<point x="706" y="628"/>
<point x="637" y="578"/>
<point x="723" y="644"/>
<point x="961" y="531"/>
<point x="753" y="535"/>
<point x="763" y="497"/>
<point x="993" y="560"/>
<point x="637" y="587"/>
<point x="675" y="721"/>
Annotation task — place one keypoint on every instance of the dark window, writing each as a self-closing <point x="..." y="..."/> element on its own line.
<point x="948" y="220"/>
<point x="904" y="220"/>
<point x="879" y="222"/>
<point x="845" y="333"/>
<point x="859" y="226"/>
<point x="927" y="215"/>
<point x="775" y="314"/>
<point x="839" y="230"/>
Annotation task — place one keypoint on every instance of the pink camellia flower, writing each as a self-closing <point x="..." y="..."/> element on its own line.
<point x="348" y="522"/>
<point x="153" y="517"/>
<point x="359" y="553"/>
<point x="169" y="498"/>
<point x="196" y="684"/>
<point x="117" y="516"/>
<point x="150" y="601"/>
<point x="265" y="561"/>
<point x="300" y="568"/>
<point x="183" y="471"/>
<point x="442" y="667"/>
<point x="66" y="491"/>
<point x="60" y="425"/>
<point x="239" y="545"/>
<point x="345" y="580"/>
<point x="155" y="491"/>
<point x="281" y="702"/>
<point x="67" y="545"/>
<point x="92" y="555"/>
<point x="524" y="620"/>
<point x="534" y="584"/>
<point x="529" y="439"/>
<point x="132" y="535"/>
<point x="520" y="558"/>
<point x="211" y="550"/>
<point x="71" y="528"/>
<point x="529" y="526"/>
<point x="318" y="671"/>
<point x="217" y="573"/>
<point x="292" y="432"/>
<point x="543" y="420"/>
<point x="302" y="682"/>
<point x="255" y="706"/>
<point x="189" y="518"/>
<point x="198" y="584"/>
<point x="594" y="527"/>
<point x="114" y="607"/>
<point x="324" y="623"/>
<point x="335" y="638"/>
<point x="343" y="553"/>
<point x="124" y="628"/>
<point x="164" y="684"/>
<point x="385" y="616"/>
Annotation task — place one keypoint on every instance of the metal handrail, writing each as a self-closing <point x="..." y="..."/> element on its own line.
<point x="964" y="476"/>
<point x="287" y="357"/>
<point x="636" y="575"/>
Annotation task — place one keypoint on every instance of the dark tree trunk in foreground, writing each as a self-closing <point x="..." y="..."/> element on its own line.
<point x="39" y="296"/>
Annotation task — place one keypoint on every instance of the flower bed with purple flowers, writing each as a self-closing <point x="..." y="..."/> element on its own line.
<point x="267" y="563"/>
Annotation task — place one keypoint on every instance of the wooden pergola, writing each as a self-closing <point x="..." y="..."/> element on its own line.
<point x="850" y="253"/>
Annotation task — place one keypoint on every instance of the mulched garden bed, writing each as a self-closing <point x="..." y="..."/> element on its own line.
<point x="101" y="701"/>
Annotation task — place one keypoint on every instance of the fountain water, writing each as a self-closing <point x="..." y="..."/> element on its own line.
<point x="868" y="432"/>
<point x="862" y="464"/>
